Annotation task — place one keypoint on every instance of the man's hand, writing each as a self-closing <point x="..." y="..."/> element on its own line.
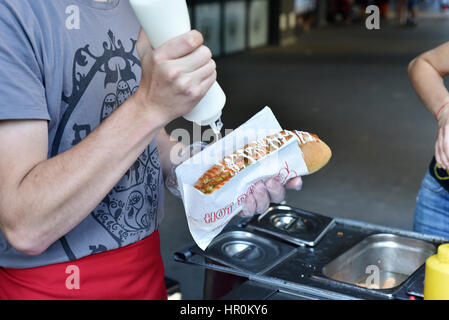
<point x="175" y="77"/>
<point x="272" y="191"/>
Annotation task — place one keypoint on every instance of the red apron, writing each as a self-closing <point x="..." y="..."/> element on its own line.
<point x="134" y="272"/>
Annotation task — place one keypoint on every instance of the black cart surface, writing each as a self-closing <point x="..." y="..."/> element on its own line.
<point x="247" y="262"/>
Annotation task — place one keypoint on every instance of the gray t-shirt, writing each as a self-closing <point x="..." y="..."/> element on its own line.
<point x="73" y="62"/>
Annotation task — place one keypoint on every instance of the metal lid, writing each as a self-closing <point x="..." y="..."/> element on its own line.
<point x="293" y="225"/>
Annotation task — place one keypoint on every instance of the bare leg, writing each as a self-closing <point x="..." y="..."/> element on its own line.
<point x="412" y="10"/>
<point x="401" y="11"/>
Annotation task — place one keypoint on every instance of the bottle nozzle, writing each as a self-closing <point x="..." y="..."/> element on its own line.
<point x="216" y="126"/>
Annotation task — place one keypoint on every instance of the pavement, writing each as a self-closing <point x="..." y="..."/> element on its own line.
<point x="350" y="86"/>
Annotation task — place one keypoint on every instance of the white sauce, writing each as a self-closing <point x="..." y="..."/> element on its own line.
<point x="277" y="140"/>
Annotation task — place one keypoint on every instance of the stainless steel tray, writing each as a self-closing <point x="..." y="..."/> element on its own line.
<point x="380" y="261"/>
<point x="301" y="270"/>
<point x="293" y="225"/>
<point x="245" y="250"/>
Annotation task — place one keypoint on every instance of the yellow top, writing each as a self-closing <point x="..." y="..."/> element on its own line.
<point x="436" y="283"/>
<point x="443" y="253"/>
<point x="440" y="261"/>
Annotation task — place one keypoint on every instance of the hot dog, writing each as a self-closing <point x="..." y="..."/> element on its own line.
<point x="316" y="155"/>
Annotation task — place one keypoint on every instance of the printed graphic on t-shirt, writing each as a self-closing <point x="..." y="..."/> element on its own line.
<point x="129" y="211"/>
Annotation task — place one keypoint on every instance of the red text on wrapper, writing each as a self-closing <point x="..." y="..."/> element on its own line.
<point x="284" y="174"/>
<point x="218" y="215"/>
<point x="242" y="197"/>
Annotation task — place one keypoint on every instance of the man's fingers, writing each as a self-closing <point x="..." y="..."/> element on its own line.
<point x="204" y="72"/>
<point x="197" y="59"/>
<point x="262" y="197"/>
<point x="207" y="83"/>
<point x="249" y="206"/>
<point x="276" y="190"/>
<point x="294" y="184"/>
<point x="180" y="46"/>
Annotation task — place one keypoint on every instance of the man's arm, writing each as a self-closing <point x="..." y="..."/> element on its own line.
<point x="42" y="199"/>
<point x="426" y="74"/>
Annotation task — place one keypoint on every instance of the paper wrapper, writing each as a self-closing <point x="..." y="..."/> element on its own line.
<point x="208" y="214"/>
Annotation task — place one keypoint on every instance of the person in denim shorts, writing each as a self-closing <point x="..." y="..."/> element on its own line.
<point x="427" y="73"/>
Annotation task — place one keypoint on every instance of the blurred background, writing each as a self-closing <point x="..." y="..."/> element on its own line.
<point x="320" y="69"/>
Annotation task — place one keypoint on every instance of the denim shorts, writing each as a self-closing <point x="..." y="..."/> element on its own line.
<point x="411" y="3"/>
<point x="432" y="208"/>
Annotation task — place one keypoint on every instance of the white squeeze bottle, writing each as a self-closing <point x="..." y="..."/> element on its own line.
<point x="163" y="20"/>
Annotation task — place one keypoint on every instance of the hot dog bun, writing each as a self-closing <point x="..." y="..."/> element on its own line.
<point x="316" y="155"/>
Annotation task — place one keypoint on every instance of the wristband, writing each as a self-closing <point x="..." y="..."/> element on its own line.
<point x="439" y="110"/>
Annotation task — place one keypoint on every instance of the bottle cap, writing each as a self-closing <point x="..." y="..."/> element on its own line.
<point x="443" y="253"/>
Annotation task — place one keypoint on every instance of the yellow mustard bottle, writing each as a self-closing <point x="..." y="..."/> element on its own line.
<point x="436" y="281"/>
